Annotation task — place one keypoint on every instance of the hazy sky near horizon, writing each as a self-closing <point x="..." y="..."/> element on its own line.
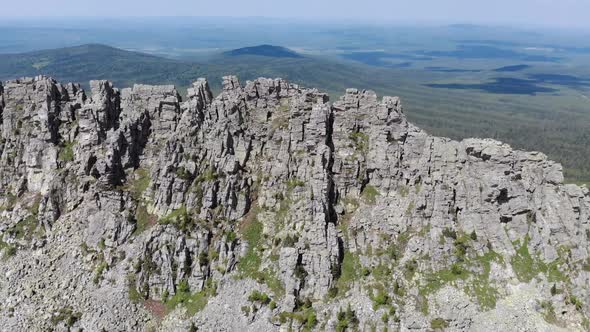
<point x="564" y="13"/>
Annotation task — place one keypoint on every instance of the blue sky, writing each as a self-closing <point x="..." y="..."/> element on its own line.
<point x="566" y="13"/>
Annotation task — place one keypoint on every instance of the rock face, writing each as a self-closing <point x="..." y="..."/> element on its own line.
<point x="269" y="208"/>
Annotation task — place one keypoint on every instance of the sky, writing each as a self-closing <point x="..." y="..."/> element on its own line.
<point x="559" y="13"/>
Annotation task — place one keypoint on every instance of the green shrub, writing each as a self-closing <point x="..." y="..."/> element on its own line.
<point x="179" y="218"/>
<point x="549" y="312"/>
<point x="361" y="141"/>
<point x="66" y="315"/>
<point x="456" y="269"/>
<point x="210" y="174"/>
<point x="576" y="302"/>
<point x="380" y="299"/>
<point x="311" y="320"/>
<point x="182" y="173"/>
<point x="300" y="272"/>
<point x="439" y="324"/>
<point x="66" y="153"/>
<point x="332" y="292"/>
<point x="411" y="267"/>
<point x="231" y="237"/>
<point x="449" y="233"/>
<point x="203" y="258"/>
<point x="101" y="267"/>
<point x="289" y="241"/>
<point x="133" y="294"/>
<point x="554" y="290"/>
<point x="259" y="297"/>
<point x="347" y="320"/>
<point x="306" y="316"/>
<point x="246" y="310"/>
<point x="365" y="272"/>
<point x="460" y="247"/>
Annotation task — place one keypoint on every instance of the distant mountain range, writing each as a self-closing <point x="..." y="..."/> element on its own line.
<point x="93" y="61"/>
<point x="125" y="68"/>
<point x="264" y="50"/>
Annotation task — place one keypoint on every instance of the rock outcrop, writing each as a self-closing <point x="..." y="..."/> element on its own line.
<point x="270" y="208"/>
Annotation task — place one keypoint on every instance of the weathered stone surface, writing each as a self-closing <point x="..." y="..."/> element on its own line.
<point x="117" y="206"/>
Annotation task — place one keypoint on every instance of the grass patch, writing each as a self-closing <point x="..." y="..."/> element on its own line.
<point x="140" y="183"/>
<point x="370" y="194"/>
<point x="179" y="218"/>
<point x="527" y="266"/>
<point x="350" y="269"/>
<point x="249" y="264"/>
<point x="381" y="298"/>
<point x="294" y="183"/>
<point x="9" y="249"/>
<point x="403" y="191"/>
<point x="306" y="316"/>
<point x="381" y="272"/>
<point x="193" y="302"/>
<point x="438" y="279"/>
<point x="143" y="220"/>
<point x="26" y="228"/>
<point x="269" y="278"/>
<point x="132" y="293"/>
<point x="476" y="285"/>
<point x="480" y="286"/>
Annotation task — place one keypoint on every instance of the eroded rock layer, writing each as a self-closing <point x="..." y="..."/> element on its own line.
<point x="270" y="208"/>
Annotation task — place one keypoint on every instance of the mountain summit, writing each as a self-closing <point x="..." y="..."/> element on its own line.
<point x="269" y="208"/>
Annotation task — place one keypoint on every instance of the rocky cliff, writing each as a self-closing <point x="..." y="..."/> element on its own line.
<point x="270" y="208"/>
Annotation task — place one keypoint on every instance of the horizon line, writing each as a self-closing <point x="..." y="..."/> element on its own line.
<point x="319" y="20"/>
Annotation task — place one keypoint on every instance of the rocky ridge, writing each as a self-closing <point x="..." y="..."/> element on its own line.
<point x="270" y="208"/>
